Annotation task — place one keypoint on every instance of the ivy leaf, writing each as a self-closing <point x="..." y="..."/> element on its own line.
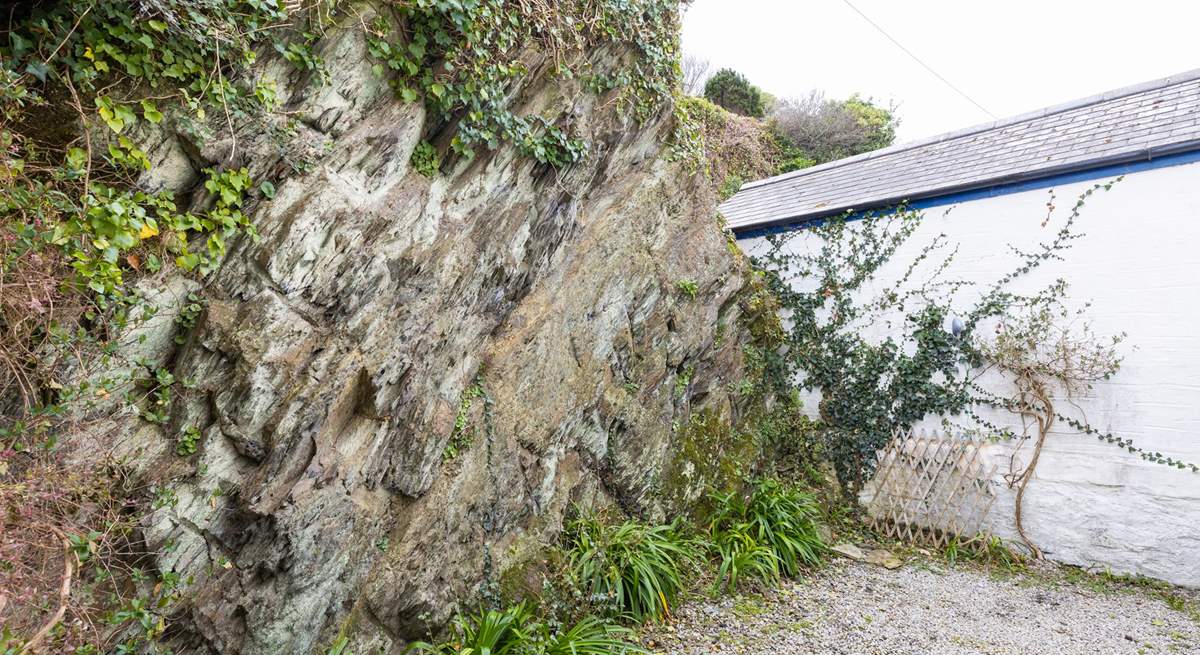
<point x="188" y="261"/>
<point x="151" y="113"/>
<point x="76" y="159"/>
<point x="37" y="69"/>
<point x="267" y="189"/>
<point x="114" y="115"/>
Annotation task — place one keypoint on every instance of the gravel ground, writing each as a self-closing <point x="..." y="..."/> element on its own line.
<point x="930" y="608"/>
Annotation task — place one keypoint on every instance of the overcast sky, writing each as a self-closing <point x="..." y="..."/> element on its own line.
<point x="1010" y="57"/>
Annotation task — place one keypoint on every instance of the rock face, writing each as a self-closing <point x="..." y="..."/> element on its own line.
<point x="334" y="355"/>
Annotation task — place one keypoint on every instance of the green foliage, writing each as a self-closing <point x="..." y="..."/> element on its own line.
<point x="772" y="530"/>
<point x="80" y="83"/>
<point x="731" y="90"/>
<point x="170" y="46"/>
<point x="730" y="186"/>
<point x="988" y="550"/>
<point x="517" y="631"/>
<point x="188" y="441"/>
<point x="813" y="129"/>
<point x="687" y="287"/>
<point x="878" y="123"/>
<point x="425" y="159"/>
<point x="463" y="59"/>
<point x="639" y="569"/>
<point x="731" y="149"/>
<point x="339" y="646"/>
<point x="463" y="434"/>
<point x="871" y="388"/>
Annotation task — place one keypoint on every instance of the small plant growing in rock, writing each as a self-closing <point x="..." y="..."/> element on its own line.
<point x="463" y="434"/>
<point x="425" y="159"/>
<point x="683" y="380"/>
<point x="188" y="314"/>
<point x="687" y="287"/>
<point x="188" y="441"/>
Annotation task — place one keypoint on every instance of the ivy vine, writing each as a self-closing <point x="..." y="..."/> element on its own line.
<point x="462" y="57"/>
<point x="934" y="350"/>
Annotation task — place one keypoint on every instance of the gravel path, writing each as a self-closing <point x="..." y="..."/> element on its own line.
<point x="929" y="608"/>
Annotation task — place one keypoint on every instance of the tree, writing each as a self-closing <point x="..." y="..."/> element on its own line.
<point x="731" y="90"/>
<point x="814" y="129"/>
<point x="695" y="74"/>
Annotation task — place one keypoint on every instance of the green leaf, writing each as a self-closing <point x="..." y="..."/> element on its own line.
<point x="37" y="69"/>
<point x="76" y="159"/>
<point x="267" y="189"/>
<point x="151" y="113"/>
<point x="187" y="261"/>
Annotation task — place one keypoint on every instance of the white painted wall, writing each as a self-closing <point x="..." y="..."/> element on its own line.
<point x="1091" y="503"/>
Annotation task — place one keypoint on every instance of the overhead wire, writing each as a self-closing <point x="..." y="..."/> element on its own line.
<point x="918" y="59"/>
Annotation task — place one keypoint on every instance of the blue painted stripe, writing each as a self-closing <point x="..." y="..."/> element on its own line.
<point x="1087" y="175"/>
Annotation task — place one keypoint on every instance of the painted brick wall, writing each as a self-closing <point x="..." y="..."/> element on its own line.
<point x="1091" y="503"/>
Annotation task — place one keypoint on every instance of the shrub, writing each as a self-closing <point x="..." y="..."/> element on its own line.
<point x="636" y="567"/>
<point x="517" y="631"/>
<point x="772" y="531"/>
<point x="731" y="90"/>
<point x="814" y="129"/>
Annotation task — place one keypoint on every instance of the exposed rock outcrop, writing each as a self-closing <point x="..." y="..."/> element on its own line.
<point x="334" y="352"/>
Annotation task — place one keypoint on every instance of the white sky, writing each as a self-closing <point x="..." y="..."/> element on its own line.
<point x="1011" y="57"/>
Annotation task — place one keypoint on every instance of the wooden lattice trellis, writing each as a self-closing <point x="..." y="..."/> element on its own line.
<point x="930" y="487"/>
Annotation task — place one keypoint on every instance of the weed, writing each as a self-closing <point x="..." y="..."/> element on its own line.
<point x="188" y="441"/>
<point x="425" y="159"/>
<point x="985" y="549"/>
<point x="687" y="287"/>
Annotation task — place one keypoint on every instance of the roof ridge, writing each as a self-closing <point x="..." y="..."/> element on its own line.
<point x="1171" y="80"/>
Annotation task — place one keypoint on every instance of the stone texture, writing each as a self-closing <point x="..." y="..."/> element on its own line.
<point x="333" y="353"/>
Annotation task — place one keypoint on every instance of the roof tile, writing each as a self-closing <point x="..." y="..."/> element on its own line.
<point x="1124" y="125"/>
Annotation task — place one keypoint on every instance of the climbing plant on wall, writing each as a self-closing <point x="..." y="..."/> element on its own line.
<point x="835" y="289"/>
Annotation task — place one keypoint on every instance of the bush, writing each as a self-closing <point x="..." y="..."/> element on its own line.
<point x="772" y="531"/>
<point x="736" y="148"/>
<point x="517" y="631"/>
<point x="731" y="90"/>
<point x="814" y="130"/>
<point x="635" y="567"/>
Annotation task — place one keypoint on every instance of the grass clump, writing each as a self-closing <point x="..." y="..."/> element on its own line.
<point x="634" y="568"/>
<point x="516" y="630"/>
<point x="769" y="532"/>
<point x="984" y="549"/>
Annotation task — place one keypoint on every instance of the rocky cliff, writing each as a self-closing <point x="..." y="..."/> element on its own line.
<point x="407" y="381"/>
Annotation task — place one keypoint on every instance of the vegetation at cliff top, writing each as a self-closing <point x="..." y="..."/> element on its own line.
<point x="748" y="134"/>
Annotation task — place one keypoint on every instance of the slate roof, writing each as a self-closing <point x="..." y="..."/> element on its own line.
<point x="1136" y="123"/>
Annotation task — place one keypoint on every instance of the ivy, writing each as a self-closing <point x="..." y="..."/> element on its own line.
<point x="871" y="388"/>
<point x="463" y="56"/>
<point x="78" y="83"/>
